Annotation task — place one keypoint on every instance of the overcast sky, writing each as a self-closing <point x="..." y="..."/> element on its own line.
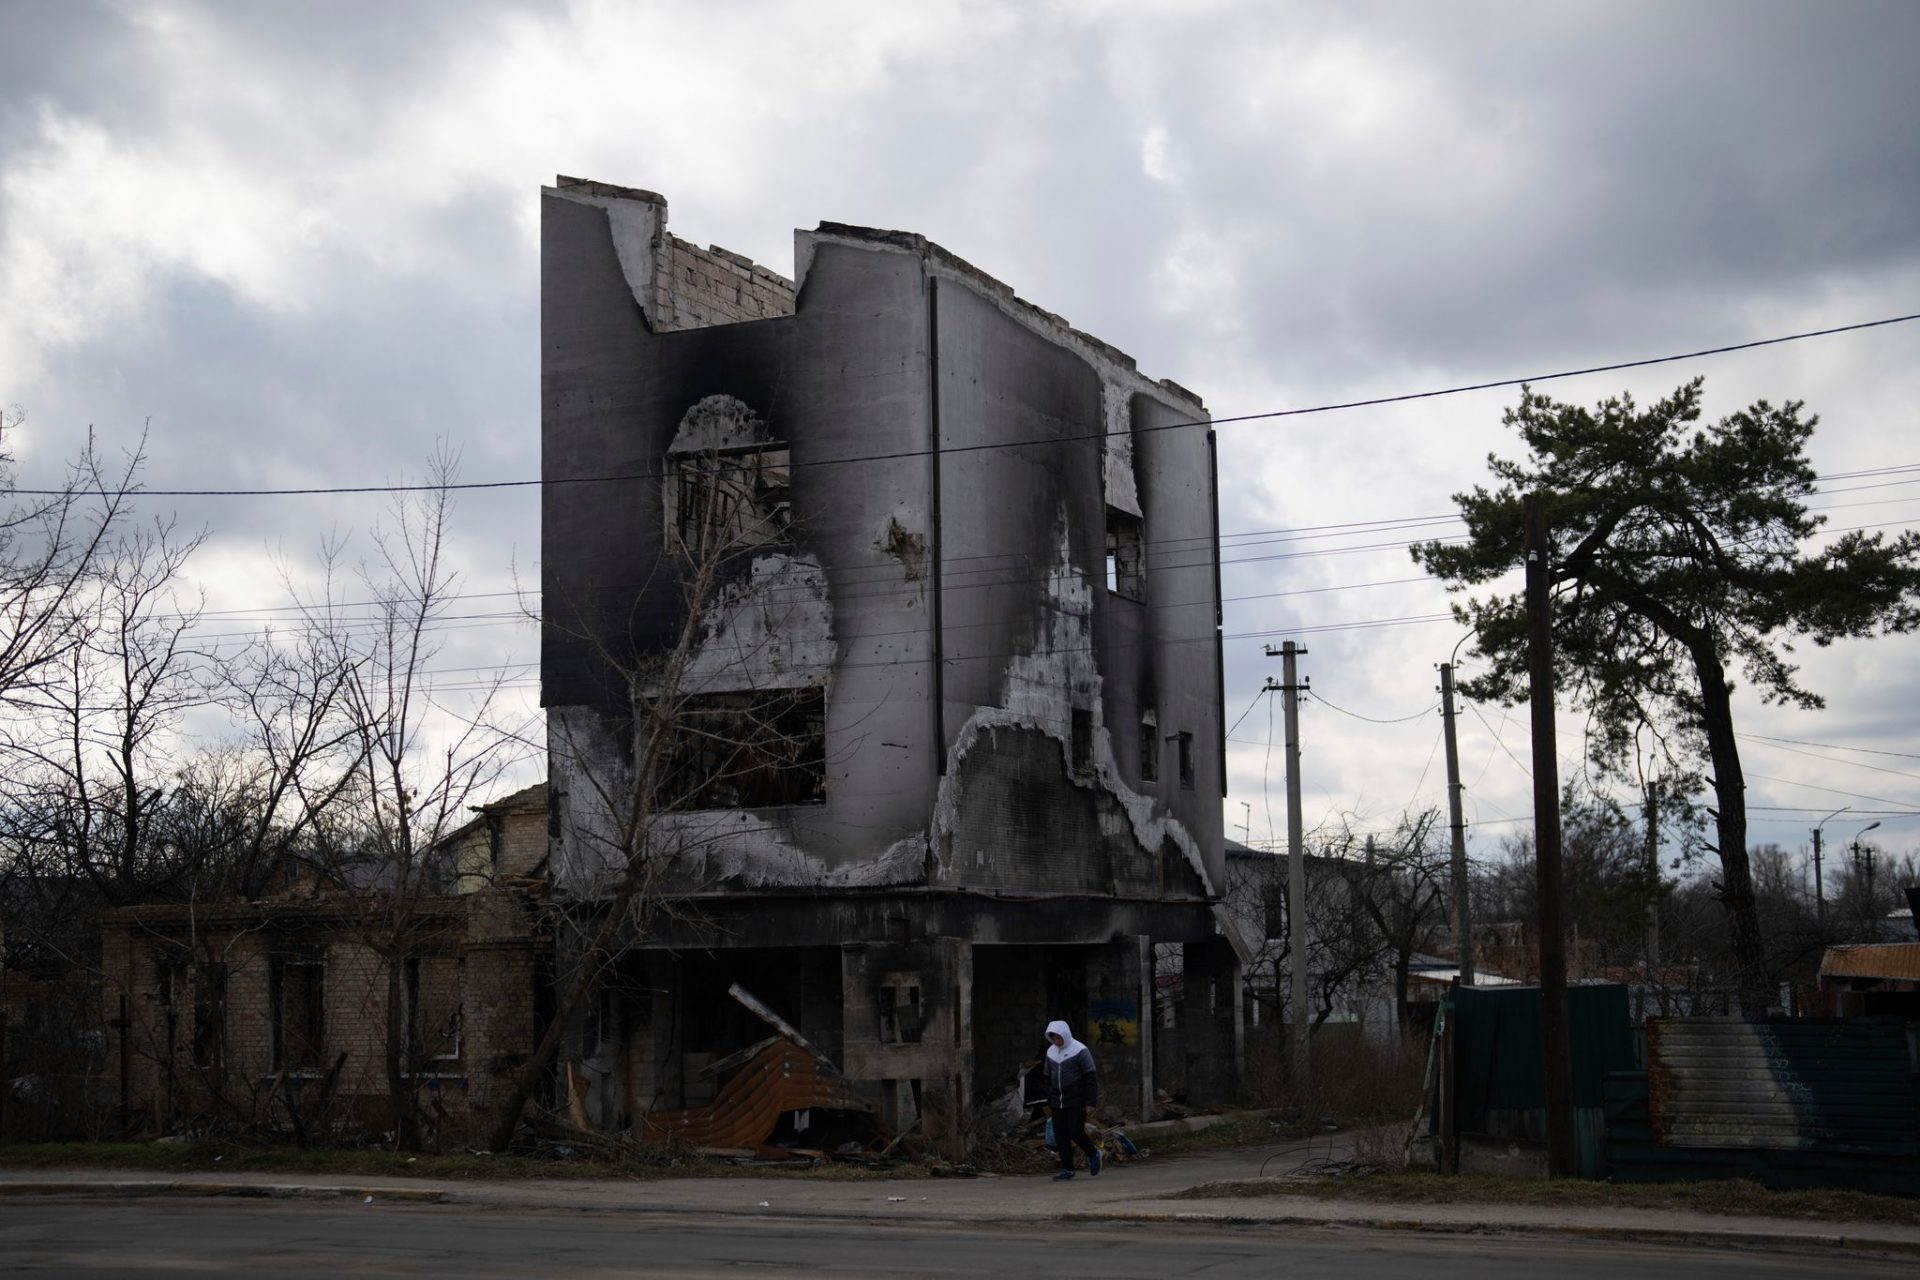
<point x="299" y="241"/>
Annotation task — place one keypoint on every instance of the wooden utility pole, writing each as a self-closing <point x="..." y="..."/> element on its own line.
<point x="1291" y="685"/>
<point x="1462" y="913"/>
<point x="1561" y="1154"/>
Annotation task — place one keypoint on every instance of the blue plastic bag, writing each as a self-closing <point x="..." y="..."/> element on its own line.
<point x="1052" y="1145"/>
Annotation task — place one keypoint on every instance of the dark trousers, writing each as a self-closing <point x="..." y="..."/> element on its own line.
<point x="1069" y="1131"/>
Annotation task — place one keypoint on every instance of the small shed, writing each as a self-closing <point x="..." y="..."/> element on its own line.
<point x="1873" y="980"/>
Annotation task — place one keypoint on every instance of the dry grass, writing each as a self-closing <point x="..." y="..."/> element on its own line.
<point x="1239" y="1129"/>
<point x="212" y="1157"/>
<point x="1732" y="1197"/>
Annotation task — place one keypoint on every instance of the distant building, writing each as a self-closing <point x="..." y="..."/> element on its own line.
<point x="272" y="1012"/>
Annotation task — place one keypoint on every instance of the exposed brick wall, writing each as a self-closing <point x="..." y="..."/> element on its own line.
<point x="469" y="986"/>
<point x="695" y="287"/>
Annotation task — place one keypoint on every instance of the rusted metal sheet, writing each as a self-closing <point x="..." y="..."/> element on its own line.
<point x="1893" y="961"/>
<point x="1830" y="1086"/>
<point x="782" y="1077"/>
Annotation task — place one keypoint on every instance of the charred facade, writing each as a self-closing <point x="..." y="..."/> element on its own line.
<point x="946" y="759"/>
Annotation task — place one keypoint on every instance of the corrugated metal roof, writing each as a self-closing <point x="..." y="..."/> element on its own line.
<point x="1899" y="960"/>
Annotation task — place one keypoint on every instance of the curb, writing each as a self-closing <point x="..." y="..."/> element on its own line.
<point x="234" y="1190"/>
<point x="1624" y="1234"/>
<point x="1671" y="1236"/>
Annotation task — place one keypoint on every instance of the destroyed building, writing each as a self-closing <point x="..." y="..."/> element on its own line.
<point x="929" y="581"/>
<point x="271" y="1012"/>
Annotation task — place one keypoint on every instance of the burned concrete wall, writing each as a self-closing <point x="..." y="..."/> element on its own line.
<point x="998" y="571"/>
<point x="970" y="543"/>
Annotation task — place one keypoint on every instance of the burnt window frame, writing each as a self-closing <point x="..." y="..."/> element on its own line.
<point x="311" y="1037"/>
<point x="453" y="1029"/>
<point x="900" y="1010"/>
<point x="1126" y="555"/>
<point x="794" y="721"/>
<point x="1149" y="747"/>
<point x="1187" y="775"/>
<point x="209" y="1045"/>
<point x="700" y="482"/>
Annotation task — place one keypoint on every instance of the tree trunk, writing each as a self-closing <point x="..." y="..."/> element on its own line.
<point x="1730" y="821"/>
<point x="406" y="1127"/>
<point x="592" y="960"/>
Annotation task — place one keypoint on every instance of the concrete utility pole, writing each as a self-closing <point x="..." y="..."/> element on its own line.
<point x="1291" y="685"/>
<point x="1561" y="1153"/>
<point x="1462" y="921"/>
<point x="1819" y="872"/>
<point x="1868" y="849"/>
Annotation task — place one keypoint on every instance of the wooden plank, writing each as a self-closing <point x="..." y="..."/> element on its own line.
<point x="756" y="1006"/>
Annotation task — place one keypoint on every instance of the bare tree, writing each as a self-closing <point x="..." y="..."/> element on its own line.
<point x="700" y="724"/>
<point x="1401" y="886"/>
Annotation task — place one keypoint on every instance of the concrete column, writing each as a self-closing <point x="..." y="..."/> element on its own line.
<point x="1119" y="1026"/>
<point x="1143" y="968"/>
<point x="1212" y="1023"/>
<point x="908" y="1031"/>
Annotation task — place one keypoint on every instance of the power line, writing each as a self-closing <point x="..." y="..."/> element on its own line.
<point x="1268" y="415"/>
<point x="295" y="610"/>
<point x="1810" y="786"/>
<point x="1315" y="695"/>
<point x="1834" y="746"/>
<point x="1851" y="764"/>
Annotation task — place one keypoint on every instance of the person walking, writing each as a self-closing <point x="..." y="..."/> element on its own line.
<point x="1072" y="1086"/>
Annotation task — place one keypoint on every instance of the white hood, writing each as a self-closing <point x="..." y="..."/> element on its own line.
<point x="1061" y="1052"/>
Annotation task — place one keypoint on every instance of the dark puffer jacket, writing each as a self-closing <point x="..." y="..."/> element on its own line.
<point x="1073" y="1083"/>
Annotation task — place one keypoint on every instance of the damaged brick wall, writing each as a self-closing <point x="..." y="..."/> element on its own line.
<point x="249" y="1016"/>
<point x="695" y="287"/>
<point x="681" y="285"/>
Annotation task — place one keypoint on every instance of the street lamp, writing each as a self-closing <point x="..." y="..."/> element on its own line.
<point x="1819" y="880"/>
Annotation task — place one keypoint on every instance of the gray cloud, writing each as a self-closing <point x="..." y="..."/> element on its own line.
<point x="299" y="239"/>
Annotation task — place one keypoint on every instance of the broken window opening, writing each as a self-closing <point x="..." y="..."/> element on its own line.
<point x="748" y="750"/>
<point x="210" y="1016"/>
<point x="299" y="1003"/>
<point x="899" y="1008"/>
<point x="1273" y="900"/>
<point x="1126" y="555"/>
<point x="172" y="984"/>
<point x="1081" y="744"/>
<point x="1186" y="759"/>
<point x="731" y="499"/>
<point x="1149" y="749"/>
<point x="433" y="1007"/>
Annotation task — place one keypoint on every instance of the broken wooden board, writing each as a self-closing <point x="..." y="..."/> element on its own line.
<point x="760" y="1009"/>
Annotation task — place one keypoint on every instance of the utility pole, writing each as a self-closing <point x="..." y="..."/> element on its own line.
<point x="1557" y="1055"/>
<point x="1819" y="872"/>
<point x="1291" y="685"/>
<point x="1858" y="848"/>
<point x="1819" y="881"/>
<point x="1462" y="913"/>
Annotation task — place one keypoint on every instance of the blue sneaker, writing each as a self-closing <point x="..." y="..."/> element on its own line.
<point x="1065" y="1175"/>
<point x="1094" y="1161"/>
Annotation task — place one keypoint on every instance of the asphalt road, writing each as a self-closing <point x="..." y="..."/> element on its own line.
<point x="293" y="1241"/>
